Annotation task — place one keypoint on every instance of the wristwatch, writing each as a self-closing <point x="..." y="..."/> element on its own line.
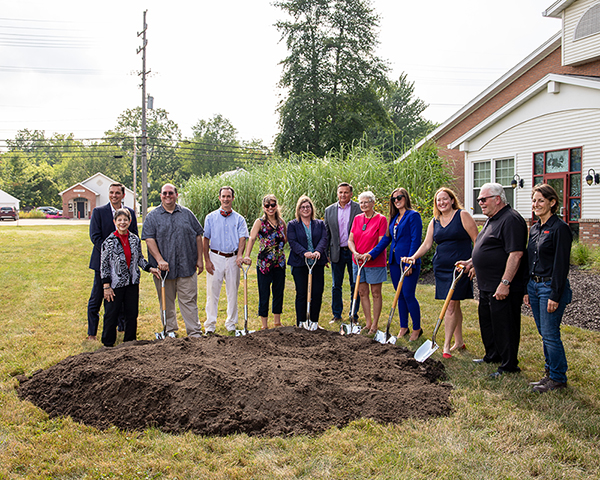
<point x="506" y="282"/>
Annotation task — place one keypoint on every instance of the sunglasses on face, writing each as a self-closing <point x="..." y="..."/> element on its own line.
<point x="397" y="199"/>
<point x="167" y="194"/>
<point x="270" y="205"/>
<point x="484" y="199"/>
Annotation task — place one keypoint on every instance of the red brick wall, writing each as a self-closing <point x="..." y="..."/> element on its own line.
<point x="550" y="64"/>
<point x="589" y="232"/>
<point x="70" y="195"/>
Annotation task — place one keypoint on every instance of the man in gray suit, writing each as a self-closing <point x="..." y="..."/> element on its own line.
<point x="338" y="220"/>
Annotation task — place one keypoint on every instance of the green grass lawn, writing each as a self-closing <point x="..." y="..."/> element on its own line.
<point x="499" y="429"/>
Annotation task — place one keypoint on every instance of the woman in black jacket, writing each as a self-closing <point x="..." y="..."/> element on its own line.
<point x="548" y="290"/>
<point x="308" y="241"/>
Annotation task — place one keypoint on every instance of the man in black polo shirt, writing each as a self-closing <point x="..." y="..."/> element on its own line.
<point x="500" y="266"/>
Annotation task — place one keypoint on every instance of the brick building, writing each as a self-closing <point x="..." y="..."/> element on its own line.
<point x="539" y="122"/>
<point x="80" y="199"/>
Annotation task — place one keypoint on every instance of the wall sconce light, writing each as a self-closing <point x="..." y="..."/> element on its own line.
<point x="517" y="181"/>
<point x="592" y="178"/>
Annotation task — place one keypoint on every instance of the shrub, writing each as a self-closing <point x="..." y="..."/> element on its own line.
<point x="32" y="214"/>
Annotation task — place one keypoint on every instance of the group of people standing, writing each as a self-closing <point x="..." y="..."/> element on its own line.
<point x="352" y="238"/>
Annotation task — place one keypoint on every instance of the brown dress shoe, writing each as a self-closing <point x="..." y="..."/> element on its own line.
<point x="549" y="385"/>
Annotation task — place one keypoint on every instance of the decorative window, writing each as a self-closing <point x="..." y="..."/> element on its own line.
<point x="499" y="171"/>
<point x="562" y="170"/>
<point x="589" y="23"/>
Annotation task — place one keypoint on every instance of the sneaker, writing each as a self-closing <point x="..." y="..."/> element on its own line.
<point x="550" y="385"/>
<point x="334" y="320"/>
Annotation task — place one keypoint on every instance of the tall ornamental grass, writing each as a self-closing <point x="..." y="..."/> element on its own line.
<point x="421" y="174"/>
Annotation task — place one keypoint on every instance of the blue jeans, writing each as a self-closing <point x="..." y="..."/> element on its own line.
<point x="337" y="273"/>
<point x="548" y="324"/>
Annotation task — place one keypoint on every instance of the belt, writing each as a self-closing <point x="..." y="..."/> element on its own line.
<point x="223" y="254"/>
<point x="538" y="279"/>
<point x="344" y="248"/>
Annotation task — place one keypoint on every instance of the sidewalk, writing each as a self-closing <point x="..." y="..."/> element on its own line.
<point x="28" y="222"/>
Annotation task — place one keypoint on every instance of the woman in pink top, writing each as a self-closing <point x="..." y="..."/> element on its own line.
<point x="367" y="229"/>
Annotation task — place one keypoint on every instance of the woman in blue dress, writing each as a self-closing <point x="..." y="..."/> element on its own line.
<point x="404" y="233"/>
<point x="454" y="231"/>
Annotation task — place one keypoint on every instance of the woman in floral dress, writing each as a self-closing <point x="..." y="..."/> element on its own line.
<point x="271" y="232"/>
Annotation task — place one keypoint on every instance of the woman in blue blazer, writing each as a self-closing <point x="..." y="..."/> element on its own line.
<point x="404" y="233"/>
<point x="308" y="239"/>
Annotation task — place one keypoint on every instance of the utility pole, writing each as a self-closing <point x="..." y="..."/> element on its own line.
<point x="143" y="73"/>
<point x="134" y="173"/>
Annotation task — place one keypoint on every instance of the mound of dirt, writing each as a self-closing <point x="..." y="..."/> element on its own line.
<point x="285" y="381"/>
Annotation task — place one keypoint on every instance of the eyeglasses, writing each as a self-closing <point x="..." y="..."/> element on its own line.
<point x="270" y="205"/>
<point x="484" y="199"/>
<point x="397" y="199"/>
<point x="167" y="194"/>
<point x="305" y="207"/>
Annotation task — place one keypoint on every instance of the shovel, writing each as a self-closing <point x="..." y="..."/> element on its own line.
<point x="347" y="329"/>
<point x="245" y="331"/>
<point x="384" y="337"/>
<point x="162" y="335"/>
<point x="426" y="350"/>
<point x="309" y="324"/>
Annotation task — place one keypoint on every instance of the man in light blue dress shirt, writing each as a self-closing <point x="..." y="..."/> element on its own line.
<point x="225" y="234"/>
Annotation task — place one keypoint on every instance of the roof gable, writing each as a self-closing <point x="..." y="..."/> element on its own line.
<point x="581" y="81"/>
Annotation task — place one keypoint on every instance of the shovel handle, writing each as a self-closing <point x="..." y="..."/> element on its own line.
<point x="458" y="272"/>
<point x="396" y="297"/>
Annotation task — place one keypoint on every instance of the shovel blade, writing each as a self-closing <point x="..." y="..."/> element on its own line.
<point x="346" y="329"/>
<point x="160" y="335"/>
<point x="392" y="340"/>
<point x="242" y="333"/>
<point x="380" y="337"/>
<point x="309" y="325"/>
<point x="425" y="351"/>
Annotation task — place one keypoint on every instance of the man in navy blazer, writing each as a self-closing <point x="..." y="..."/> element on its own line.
<point x="340" y="213"/>
<point x="101" y="226"/>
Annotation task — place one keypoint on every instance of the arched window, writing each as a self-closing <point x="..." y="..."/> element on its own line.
<point x="589" y="23"/>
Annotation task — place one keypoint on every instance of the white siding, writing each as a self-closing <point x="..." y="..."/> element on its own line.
<point x="554" y="131"/>
<point x="584" y="49"/>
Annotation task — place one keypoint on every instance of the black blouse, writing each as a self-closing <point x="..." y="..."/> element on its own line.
<point x="549" y="253"/>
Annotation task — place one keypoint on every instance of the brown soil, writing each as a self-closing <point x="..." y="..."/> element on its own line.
<point x="285" y="381"/>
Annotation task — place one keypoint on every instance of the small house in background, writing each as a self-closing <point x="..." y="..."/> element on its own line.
<point x="80" y="199"/>
<point x="7" y="200"/>
<point x="538" y="123"/>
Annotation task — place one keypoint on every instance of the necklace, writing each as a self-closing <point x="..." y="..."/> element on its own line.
<point x="364" y="227"/>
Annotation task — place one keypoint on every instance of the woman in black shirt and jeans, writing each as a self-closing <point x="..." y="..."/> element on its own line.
<point x="548" y="290"/>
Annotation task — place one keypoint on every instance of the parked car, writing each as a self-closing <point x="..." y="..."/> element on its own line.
<point x="50" y="210"/>
<point x="9" y="212"/>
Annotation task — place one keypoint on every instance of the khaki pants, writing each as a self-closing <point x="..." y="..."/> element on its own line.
<point x="186" y="291"/>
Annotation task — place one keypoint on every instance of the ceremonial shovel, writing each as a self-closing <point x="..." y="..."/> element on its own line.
<point x="426" y="350"/>
<point x="384" y="337"/>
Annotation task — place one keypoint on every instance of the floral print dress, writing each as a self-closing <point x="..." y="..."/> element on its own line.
<point x="271" y="254"/>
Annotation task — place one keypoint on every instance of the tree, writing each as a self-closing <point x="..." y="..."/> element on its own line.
<point x="32" y="184"/>
<point x="331" y="73"/>
<point x="164" y="165"/>
<point x="214" y="148"/>
<point x="404" y="110"/>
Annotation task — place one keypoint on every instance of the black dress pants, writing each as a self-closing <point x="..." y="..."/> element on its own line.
<point x="126" y="298"/>
<point x="500" y="324"/>
<point x="300" y="275"/>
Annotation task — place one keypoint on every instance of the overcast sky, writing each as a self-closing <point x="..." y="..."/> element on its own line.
<point x="71" y="66"/>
